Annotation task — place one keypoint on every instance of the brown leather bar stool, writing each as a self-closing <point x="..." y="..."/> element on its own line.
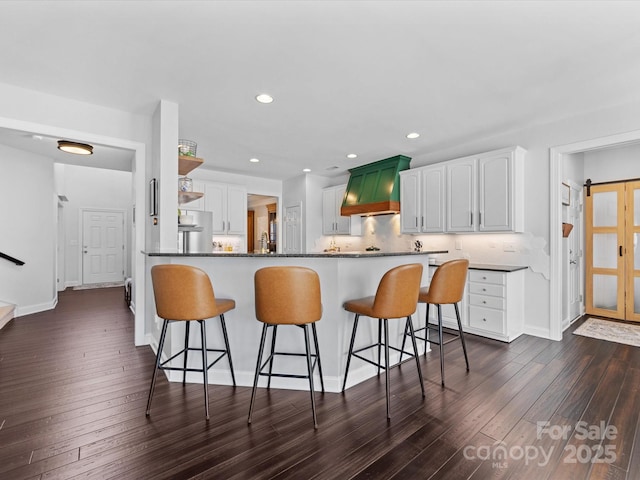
<point x="288" y="296"/>
<point x="396" y="297"/>
<point x="184" y="293"/>
<point x="446" y="287"/>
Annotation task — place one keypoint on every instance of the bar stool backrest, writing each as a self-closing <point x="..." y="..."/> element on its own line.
<point x="183" y="292"/>
<point x="287" y="295"/>
<point x="398" y="291"/>
<point x="447" y="284"/>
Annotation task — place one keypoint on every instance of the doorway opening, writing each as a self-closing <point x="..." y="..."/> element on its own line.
<point x="262" y="224"/>
<point x="558" y="155"/>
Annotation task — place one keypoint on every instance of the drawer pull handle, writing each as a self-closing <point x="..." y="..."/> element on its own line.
<point x="484" y="301"/>
<point x="484" y="289"/>
<point x="484" y="278"/>
<point x="484" y="319"/>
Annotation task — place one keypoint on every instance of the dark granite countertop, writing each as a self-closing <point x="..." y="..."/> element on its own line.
<point x="490" y="266"/>
<point x="295" y="255"/>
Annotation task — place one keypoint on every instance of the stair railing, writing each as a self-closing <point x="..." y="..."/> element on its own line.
<point x="11" y="259"/>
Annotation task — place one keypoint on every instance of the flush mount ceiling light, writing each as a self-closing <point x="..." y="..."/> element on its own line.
<point x="75" y="147"/>
<point x="264" y="98"/>
<point x="254" y="160"/>
<point x="413" y="135"/>
<point x="352" y="155"/>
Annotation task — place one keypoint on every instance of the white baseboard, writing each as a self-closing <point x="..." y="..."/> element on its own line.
<point x="537" y="332"/>
<point x="41" y="307"/>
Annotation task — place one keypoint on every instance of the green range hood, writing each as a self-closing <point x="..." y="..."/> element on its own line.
<point x="374" y="189"/>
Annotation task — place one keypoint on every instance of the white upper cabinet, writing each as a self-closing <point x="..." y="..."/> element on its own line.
<point x="228" y="204"/>
<point x="501" y="191"/>
<point x="461" y="195"/>
<point x="479" y="193"/>
<point x="422" y="200"/>
<point x="410" y="205"/>
<point x="332" y="222"/>
<point x="433" y="199"/>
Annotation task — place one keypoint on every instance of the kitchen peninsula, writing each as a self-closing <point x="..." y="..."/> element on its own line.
<point x="343" y="276"/>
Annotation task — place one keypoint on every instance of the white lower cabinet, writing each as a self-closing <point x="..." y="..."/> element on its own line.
<point x="493" y="305"/>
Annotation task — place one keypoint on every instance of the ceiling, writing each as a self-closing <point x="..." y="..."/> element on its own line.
<point x="347" y="77"/>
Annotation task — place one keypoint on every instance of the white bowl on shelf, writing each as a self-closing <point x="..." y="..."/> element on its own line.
<point x="185" y="219"/>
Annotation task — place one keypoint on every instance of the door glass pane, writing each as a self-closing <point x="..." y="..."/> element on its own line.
<point x="605" y="250"/>
<point x="636" y="295"/>
<point x="605" y="292"/>
<point x="605" y="209"/>
<point x="634" y="249"/>
<point x="636" y="207"/>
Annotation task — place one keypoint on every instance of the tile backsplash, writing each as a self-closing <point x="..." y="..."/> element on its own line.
<point x="383" y="231"/>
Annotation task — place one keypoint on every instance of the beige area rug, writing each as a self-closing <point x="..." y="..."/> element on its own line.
<point x="610" y="330"/>
<point x="98" y="285"/>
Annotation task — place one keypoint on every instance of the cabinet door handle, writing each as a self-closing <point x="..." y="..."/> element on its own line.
<point x="471" y="223"/>
<point x="480" y="218"/>
<point x="416" y="222"/>
<point x="620" y="248"/>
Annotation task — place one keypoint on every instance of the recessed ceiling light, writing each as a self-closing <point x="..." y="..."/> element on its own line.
<point x="264" y="98"/>
<point x="254" y="160"/>
<point x="413" y="135"/>
<point x="352" y="155"/>
<point x="306" y="170"/>
<point x="37" y="137"/>
<point x="75" y="147"/>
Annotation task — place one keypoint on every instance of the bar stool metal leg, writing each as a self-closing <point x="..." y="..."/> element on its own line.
<point x="316" y="346"/>
<point x="186" y="350"/>
<point x="386" y="365"/>
<point x="426" y="331"/>
<point x="258" y="364"/>
<point x="310" y="370"/>
<point x="464" y="347"/>
<point x="273" y="350"/>
<point x="379" y="342"/>
<point x="415" y="353"/>
<point x="203" y="333"/>
<point x="353" y="338"/>
<point x="163" y="334"/>
<point x="226" y="344"/>
<point x="441" y="343"/>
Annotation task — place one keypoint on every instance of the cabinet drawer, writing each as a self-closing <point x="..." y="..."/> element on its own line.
<point x="486" y="319"/>
<point x="487" y="301"/>
<point x="487" y="276"/>
<point x="487" y="289"/>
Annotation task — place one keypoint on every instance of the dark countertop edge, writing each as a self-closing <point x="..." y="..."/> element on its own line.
<point x="293" y="255"/>
<point x="490" y="266"/>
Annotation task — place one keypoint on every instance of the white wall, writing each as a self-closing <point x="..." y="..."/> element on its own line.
<point x="612" y="164"/>
<point x="28" y="230"/>
<point x="87" y="187"/>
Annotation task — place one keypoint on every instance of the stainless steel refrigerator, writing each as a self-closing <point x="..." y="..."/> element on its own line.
<point x="197" y="237"/>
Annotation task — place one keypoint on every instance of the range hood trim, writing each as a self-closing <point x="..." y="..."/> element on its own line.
<point x="380" y="199"/>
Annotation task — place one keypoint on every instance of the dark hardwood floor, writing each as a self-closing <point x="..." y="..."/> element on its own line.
<point x="73" y="392"/>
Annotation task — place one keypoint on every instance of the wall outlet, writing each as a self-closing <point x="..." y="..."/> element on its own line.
<point x="458" y="244"/>
<point x="509" y="247"/>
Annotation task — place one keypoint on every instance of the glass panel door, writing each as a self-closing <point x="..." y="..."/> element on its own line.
<point x="604" y="223"/>
<point x="632" y="259"/>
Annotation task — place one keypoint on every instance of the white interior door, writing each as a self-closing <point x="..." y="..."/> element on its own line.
<point x="576" y="286"/>
<point x="103" y="246"/>
<point x="293" y="229"/>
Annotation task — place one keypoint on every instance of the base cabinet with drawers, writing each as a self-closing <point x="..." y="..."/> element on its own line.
<point x="492" y="306"/>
